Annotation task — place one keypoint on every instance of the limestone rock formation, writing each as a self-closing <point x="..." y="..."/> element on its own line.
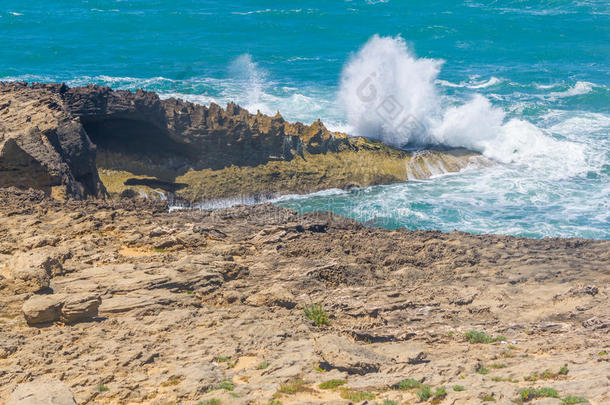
<point x="217" y="314"/>
<point x="64" y="140"/>
<point x="42" y="145"/>
<point x="42" y="392"/>
<point x="68" y="308"/>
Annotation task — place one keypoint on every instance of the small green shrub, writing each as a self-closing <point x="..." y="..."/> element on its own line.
<point x="459" y="388"/>
<point x="102" y="388"/>
<point x="482" y="370"/>
<point x="170" y="382"/>
<point x="439" y="392"/>
<point x="226" y="385"/>
<point x="603" y="353"/>
<point x="408" y="384"/>
<point x="332" y="384"/>
<point x="481" y="337"/>
<point x="292" y="387"/>
<point x="424" y="393"/>
<point x="573" y="400"/>
<point x="212" y="401"/>
<point x="547" y="374"/>
<point x="317" y="314"/>
<point x="263" y="365"/>
<point x="488" y="398"/>
<point x="357" y="396"/>
<point x="527" y="394"/>
<point x="498" y="365"/>
<point x="389" y="402"/>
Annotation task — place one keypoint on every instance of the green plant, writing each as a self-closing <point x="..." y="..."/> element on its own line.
<point x="226" y="385"/>
<point x="332" y="384"/>
<point x="263" y="365"/>
<point x="357" y="396"/>
<point x="424" y="393"/>
<point x="603" y="353"/>
<point x="317" y="314"/>
<point x="512" y="347"/>
<point x="547" y="374"/>
<point x="527" y="394"/>
<point x="573" y="400"/>
<point x="292" y="387"/>
<point x="223" y="359"/>
<point x="440" y="392"/>
<point x="274" y="402"/>
<point x="102" y="388"/>
<point x="212" y="401"/>
<point x="408" y="384"/>
<point x="498" y="365"/>
<point x="170" y="382"/>
<point x="488" y="398"/>
<point x="482" y="370"/>
<point x="500" y="379"/>
<point x="459" y="388"/>
<point x="389" y="402"/>
<point x="481" y="337"/>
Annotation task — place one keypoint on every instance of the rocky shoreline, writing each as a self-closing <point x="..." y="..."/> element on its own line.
<point x="123" y="302"/>
<point x="93" y="141"/>
<point x="106" y="297"/>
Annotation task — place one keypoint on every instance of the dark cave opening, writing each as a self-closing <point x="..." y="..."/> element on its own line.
<point x="137" y="139"/>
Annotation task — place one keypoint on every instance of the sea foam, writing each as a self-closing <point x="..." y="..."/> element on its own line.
<point x="391" y="95"/>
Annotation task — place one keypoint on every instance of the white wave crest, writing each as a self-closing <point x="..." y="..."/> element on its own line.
<point x="391" y="95"/>
<point x="472" y="84"/>
<point x="578" y="89"/>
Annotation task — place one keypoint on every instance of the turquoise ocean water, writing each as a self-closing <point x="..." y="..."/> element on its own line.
<point x="526" y="83"/>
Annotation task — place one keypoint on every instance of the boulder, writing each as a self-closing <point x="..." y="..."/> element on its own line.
<point x="42" y="309"/>
<point x="61" y="307"/>
<point x="79" y="307"/>
<point x="346" y="355"/>
<point x="41" y="392"/>
<point x="32" y="271"/>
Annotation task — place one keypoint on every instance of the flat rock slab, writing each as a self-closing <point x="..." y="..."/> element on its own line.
<point x="41" y="392"/>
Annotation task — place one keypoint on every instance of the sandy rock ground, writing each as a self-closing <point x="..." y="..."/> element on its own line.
<point x="128" y="303"/>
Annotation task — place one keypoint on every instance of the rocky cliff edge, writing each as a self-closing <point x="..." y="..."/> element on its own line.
<point x="89" y="141"/>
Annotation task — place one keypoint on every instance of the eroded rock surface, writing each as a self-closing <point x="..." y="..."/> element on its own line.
<point x="217" y="312"/>
<point x="85" y="141"/>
